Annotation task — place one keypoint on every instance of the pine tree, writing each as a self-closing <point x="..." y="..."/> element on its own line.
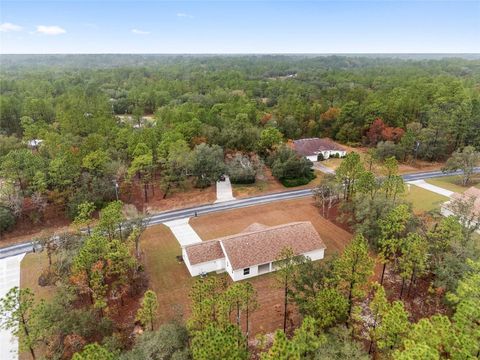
<point x="216" y="342"/>
<point x="393" y="229"/>
<point x="286" y="264"/>
<point x="148" y="310"/>
<point x="413" y="259"/>
<point x="331" y="307"/>
<point x="378" y="306"/>
<point x="393" y="328"/>
<point x="352" y="269"/>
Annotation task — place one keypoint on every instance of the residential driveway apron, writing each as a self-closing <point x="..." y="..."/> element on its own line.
<point x="224" y="190"/>
<point x="9" y="277"/>
<point x="436" y="189"/>
<point x="323" y="168"/>
<point x="183" y="232"/>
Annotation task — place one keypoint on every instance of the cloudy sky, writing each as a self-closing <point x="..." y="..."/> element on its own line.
<point x="249" y="26"/>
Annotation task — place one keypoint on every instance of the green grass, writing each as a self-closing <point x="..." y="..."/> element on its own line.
<point x="452" y="183"/>
<point x="424" y="200"/>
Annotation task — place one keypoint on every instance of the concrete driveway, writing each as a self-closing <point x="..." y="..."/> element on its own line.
<point x="436" y="189"/>
<point x="224" y="190"/>
<point x="183" y="231"/>
<point x="320" y="167"/>
<point x="9" y="277"/>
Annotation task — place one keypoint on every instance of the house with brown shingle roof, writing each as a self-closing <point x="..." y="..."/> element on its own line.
<point x="312" y="147"/>
<point x="253" y="251"/>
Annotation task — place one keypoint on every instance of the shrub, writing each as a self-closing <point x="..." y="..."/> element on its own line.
<point x="298" y="181"/>
<point x="320" y="157"/>
<point x="7" y="220"/>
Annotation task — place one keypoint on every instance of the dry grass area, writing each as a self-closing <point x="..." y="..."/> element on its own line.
<point x="167" y="277"/>
<point x="31" y="268"/>
<point x="172" y="282"/>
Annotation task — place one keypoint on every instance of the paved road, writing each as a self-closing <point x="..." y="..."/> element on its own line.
<point x="229" y="205"/>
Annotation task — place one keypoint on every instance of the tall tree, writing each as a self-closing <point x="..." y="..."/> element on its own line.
<point x="148" y="310"/>
<point x="17" y="314"/>
<point x="286" y="264"/>
<point x="349" y="172"/>
<point x="353" y="269"/>
<point x="465" y="160"/>
<point x="219" y="343"/>
<point x="394" y="228"/>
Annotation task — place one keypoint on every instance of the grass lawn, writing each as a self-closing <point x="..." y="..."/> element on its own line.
<point x="31" y="268"/>
<point x="332" y="163"/>
<point x="452" y="183"/>
<point x="168" y="278"/>
<point x="424" y="200"/>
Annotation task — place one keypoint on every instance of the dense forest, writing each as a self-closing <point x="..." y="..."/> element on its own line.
<point x="104" y="118"/>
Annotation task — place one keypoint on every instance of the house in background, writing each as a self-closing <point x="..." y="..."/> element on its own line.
<point x="470" y="195"/>
<point x="312" y="147"/>
<point x="254" y="251"/>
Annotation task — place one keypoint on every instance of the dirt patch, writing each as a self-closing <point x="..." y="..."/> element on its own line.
<point x="178" y="198"/>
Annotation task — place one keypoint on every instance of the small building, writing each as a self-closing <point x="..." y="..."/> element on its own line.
<point x="312" y="147"/>
<point x="254" y="251"/>
<point x="472" y="194"/>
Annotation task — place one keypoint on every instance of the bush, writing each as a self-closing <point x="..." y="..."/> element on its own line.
<point x="7" y="220"/>
<point x="298" y="181"/>
<point x="286" y="164"/>
<point x="320" y="157"/>
<point x="241" y="170"/>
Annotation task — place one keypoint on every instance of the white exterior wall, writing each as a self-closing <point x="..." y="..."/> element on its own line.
<point x="315" y="254"/>
<point x="445" y="211"/>
<point x="326" y="154"/>
<point x="237" y="275"/>
<point x="205" y="267"/>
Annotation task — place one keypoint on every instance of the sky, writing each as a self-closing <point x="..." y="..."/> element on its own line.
<point x="249" y="26"/>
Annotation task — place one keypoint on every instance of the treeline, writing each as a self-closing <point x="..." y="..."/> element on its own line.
<point x="104" y="119"/>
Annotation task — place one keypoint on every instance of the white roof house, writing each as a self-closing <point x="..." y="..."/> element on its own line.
<point x="253" y="251"/>
<point x="312" y="147"/>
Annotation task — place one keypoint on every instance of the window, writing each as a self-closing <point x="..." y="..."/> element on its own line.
<point x="246" y="271"/>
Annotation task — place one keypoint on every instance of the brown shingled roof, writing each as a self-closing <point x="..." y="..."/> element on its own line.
<point x="312" y="146"/>
<point x="263" y="246"/>
<point x="204" y="251"/>
<point x="254" y="227"/>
